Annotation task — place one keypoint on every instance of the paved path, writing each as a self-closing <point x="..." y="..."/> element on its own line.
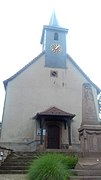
<point x="13" y="177"/>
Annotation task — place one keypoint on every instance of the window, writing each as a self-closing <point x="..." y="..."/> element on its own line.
<point x="56" y="36"/>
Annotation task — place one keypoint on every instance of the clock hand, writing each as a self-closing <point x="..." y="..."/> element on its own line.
<point x="57" y="47"/>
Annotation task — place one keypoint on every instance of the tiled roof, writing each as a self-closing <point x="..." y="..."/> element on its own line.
<point x="55" y="112"/>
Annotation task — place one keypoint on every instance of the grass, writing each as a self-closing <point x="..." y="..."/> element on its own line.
<point x="51" y="166"/>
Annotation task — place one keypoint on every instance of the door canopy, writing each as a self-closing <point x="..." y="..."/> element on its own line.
<point x="54" y="111"/>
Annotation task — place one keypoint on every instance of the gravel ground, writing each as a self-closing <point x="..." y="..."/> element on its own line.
<point x="13" y="177"/>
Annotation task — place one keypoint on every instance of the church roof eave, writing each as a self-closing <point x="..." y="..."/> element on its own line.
<point x="5" y="82"/>
<point x="82" y="72"/>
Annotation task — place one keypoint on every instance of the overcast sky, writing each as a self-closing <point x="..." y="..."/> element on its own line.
<point x="21" y="23"/>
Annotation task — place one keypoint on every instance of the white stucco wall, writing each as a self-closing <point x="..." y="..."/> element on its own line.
<point x="34" y="91"/>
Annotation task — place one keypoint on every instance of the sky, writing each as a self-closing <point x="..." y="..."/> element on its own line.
<point x="21" y="23"/>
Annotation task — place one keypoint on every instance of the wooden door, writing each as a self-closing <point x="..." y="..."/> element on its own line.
<point x="53" y="137"/>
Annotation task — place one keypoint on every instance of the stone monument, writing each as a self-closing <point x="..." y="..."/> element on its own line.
<point x="90" y="130"/>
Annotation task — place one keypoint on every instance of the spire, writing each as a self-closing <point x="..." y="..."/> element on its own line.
<point x="53" y="20"/>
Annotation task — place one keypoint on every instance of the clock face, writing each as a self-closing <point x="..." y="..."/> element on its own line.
<point x="55" y="48"/>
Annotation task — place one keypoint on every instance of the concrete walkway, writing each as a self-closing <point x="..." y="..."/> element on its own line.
<point x="13" y="177"/>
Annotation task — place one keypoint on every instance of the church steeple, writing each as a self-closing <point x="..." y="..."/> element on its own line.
<point x="53" y="20"/>
<point x="54" y="43"/>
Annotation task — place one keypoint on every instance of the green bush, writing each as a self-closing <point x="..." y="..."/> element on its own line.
<point x="51" y="166"/>
<point x="70" y="161"/>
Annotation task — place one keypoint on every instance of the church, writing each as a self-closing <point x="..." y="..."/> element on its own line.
<point x="49" y="100"/>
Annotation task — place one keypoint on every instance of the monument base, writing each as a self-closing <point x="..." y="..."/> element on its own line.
<point x="90" y="139"/>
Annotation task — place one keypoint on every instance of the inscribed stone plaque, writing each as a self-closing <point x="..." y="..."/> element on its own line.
<point x="89" y="115"/>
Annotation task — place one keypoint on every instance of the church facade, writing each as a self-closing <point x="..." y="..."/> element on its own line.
<point x="43" y="101"/>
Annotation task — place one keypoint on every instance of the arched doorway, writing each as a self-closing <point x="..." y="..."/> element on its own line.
<point x="53" y="136"/>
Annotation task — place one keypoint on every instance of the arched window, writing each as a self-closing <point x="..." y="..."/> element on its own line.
<point x="56" y="36"/>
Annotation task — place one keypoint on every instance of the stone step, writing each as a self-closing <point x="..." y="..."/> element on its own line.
<point x="16" y="163"/>
<point x="85" y="178"/>
<point x="18" y="160"/>
<point x="13" y="171"/>
<point x="13" y="167"/>
<point x="25" y="153"/>
<point x="84" y="172"/>
<point x="21" y="157"/>
<point x="13" y="177"/>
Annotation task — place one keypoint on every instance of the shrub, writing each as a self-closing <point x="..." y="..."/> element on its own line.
<point x="51" y="166"/>
<point x="70" y="161"/>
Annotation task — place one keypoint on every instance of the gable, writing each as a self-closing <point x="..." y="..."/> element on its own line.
<point x="35" y="60"/>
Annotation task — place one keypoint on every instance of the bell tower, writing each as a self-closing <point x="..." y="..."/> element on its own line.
<point x="53" y="41"/>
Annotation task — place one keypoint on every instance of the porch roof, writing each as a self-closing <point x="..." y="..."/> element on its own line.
<point x="54" y="111"/>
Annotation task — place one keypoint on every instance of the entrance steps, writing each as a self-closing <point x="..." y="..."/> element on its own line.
<point x="88" y="168"/>
<point x="86" y="175"/>
<point x="85" y="178"/>
<point x="17" y="163"/>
